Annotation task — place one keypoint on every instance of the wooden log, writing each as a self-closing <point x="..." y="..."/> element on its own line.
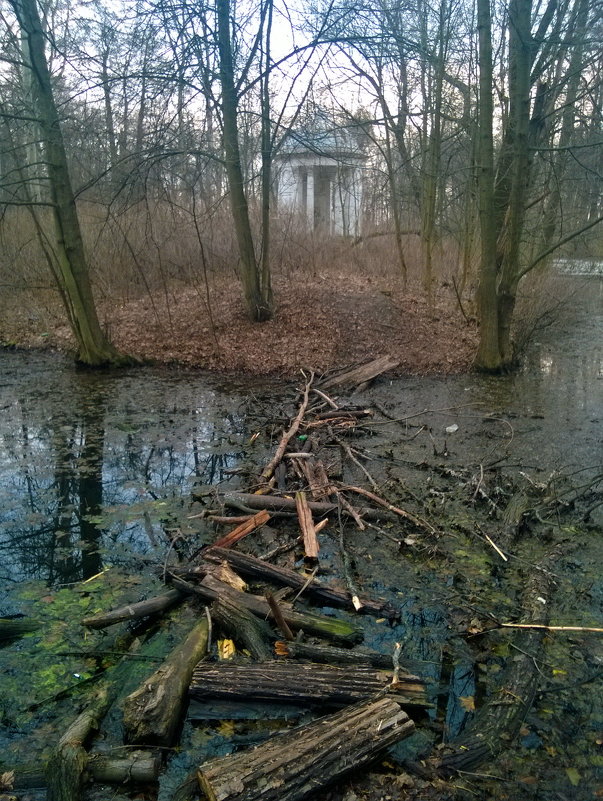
<point x="361" y="374"/>
<point x="244" y="627"/>
<point x="297" y="683"/>
<point x="134" y="611"/>
<point x="275" y="504"/>
<point x="344" y="656"/>
<point x="65" y="771"/>
<point x="290" y="766"/>
<point x="306" y="525"/>
<point x="318" y="625"/>
<point x="152" y="713"/>
<point x="243" y="529"/>
<point x="258" y="569"/>
<point x="140" y="767"/>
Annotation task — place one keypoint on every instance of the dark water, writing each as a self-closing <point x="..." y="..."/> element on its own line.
<point x="96" y="469"/>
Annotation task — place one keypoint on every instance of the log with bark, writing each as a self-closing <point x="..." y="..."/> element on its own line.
<point x="299" y="683"/>
<point x="134" y="611"/>
<point x="152" y="713"/>
<point x="340" y="631"/>
<point x="290" y="766"/>
<point x="140" y="767"/>
<point x="258" y="569"/>
<point x="330" y="655"/>
<point x="11" y="628"/>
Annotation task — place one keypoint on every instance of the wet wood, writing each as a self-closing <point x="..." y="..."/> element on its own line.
<point x="297" y="683"/>
<point x="243" y="627"/>
<point x="65" y="771"/>
<point x="134" y="611"/>
<point x="243" y="529"/>
<point x="361" y="374"/>
<point x="498" y="722"/>
<point x="140" y="767"/>
<point x="277" y="504"/>
<point x="344" y="656"/>
<point x="258" y="569"/>
<point x="152" y="713"/>
<point x="306" y="524"/>
<point x="318" y="625"/>
<point x="10" y="628"/>
<point x="290" y="766"/>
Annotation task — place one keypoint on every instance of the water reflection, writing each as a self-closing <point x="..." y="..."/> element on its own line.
<point x="95" y="466"/>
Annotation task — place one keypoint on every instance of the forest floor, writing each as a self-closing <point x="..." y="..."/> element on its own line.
<point x="320" y="322"/>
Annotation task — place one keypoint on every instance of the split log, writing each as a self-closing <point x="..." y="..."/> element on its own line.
<point x="244" y="627"/>
<point x="258" y="569"/>
<point x="306" y="525"/>
<point x="290" y="766"/>
<point x="345" y="656"/>
<point x="298" y="683"/>
<point x="152" y="713"/>
<point x="318" y="625"/>
<point x="134" y="611"/>
<point x="362" y="374"/>
<point x="243" y="529"/>
<point x="276" y="505"/>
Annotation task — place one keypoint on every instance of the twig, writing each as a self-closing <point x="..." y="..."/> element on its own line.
<point x="419" y="522"/>
<point x="278" y="617"/>
<point x="549" y="628"/>
<point x="307" y="583"/>
<point x="325" y="397"/>
<point x="346" y="562"/>
<point x="351" y="456"/>
<point x="496" y="548"/>
<point x="282" y="446"/>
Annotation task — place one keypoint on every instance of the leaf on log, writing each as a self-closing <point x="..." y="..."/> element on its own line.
<point x="290" y="766"/>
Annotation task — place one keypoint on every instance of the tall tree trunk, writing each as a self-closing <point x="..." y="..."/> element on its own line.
<point x="93" y="348"/>
<point x="488" y="355"/>
<point x="257" y="306"/>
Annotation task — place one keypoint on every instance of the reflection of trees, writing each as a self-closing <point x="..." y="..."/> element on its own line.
<point x="55" y="539"/>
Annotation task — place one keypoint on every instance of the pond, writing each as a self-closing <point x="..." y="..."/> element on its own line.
<point x="96" y="470"/>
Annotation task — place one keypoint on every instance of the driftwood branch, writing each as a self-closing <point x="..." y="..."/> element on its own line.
<point x="288" y="435"/>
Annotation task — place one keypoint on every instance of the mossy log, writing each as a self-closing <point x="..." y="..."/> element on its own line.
<point x="255" y="568"/>
<point x="340" y="631"/>
<point x="298" y="683"/>
<point x="290" y="766"/>
<point x="134" y="611"/>
<point x="244" y="627"/>
<point x="498" y="721"/>
<point x="152" y="713"/>
<point x="10" y="628"/>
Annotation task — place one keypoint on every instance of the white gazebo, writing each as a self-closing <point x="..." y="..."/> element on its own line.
<point x="319" y="172"/>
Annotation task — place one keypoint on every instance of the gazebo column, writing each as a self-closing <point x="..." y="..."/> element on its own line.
<point x="310" y="198"/>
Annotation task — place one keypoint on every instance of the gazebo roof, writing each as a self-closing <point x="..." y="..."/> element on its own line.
<point x="322" y="136"/>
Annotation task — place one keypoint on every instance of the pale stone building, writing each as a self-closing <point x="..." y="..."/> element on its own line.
<point x="319" y="172"/>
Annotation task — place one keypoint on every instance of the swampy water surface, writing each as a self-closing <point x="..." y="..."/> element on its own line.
<point x="96" y="473"/>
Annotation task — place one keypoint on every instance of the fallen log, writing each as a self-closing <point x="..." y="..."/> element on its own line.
<point x="318" y="625"/>
<point x="152" y="713"/>
<point x="275" y="504"/>
<point x="361" y="374"/>
<point x="258" y="569"/>
<point x="10" y="628"/>
<point x="298" y="683"/>
<point x="140" y="767"/>
<point x="134" y="611"/>
<point x="306" y="525"/>
<point x="243" y="626"/>
<point x="290" y="766"/>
